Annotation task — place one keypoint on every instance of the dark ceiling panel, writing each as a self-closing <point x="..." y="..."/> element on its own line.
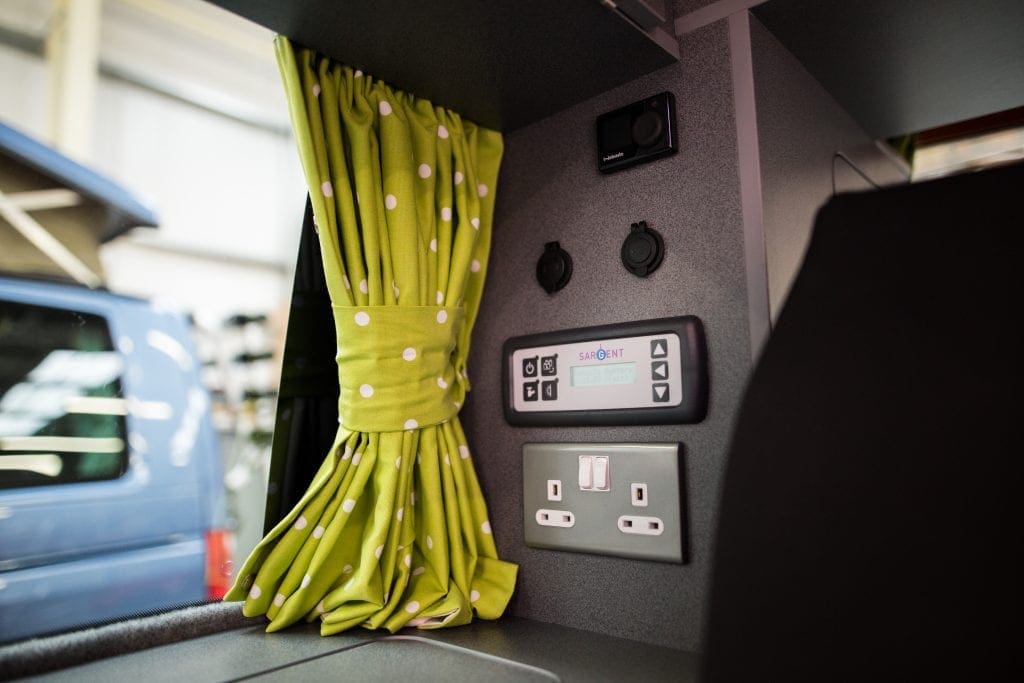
<point x="503" y="64"/>
<point x="899" y="66"/>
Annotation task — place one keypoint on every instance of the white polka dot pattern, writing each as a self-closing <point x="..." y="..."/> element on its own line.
<point x="389" y="358"/>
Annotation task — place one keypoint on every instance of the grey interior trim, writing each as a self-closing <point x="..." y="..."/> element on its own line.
<point x="754" y="251"/>
<point x="901" y="67"/>
<point x="39" y="655"/>
<point x="483" y="655"/>
<point x="709" y="14"/>
<point x="509" y="649"/>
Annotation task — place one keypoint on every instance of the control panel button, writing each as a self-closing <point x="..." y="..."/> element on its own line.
<point x="549" y="365"/>
<point x="530" y="392"/>
<point x="660" y="392"/>
<point x="530" y="367"/>
<point x="586" y="474"/>
<point x="659" y="370"/>
<point x="549" y="390"/>
<point x="601" y="476"/>
<point x="659" y="348"/>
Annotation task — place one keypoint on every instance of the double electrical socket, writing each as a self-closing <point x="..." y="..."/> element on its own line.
<point x="621" y="499"/>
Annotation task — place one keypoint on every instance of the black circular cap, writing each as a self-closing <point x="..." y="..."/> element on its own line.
<point x="647" y="129"/>
<point x="642" y="250"/>
<point x="554" y="268"/>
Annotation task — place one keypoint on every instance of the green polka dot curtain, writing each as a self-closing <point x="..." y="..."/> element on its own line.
<point x="393" y="531"/>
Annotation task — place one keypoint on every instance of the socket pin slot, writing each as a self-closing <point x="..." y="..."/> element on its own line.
<point x="643" y="526"/>
<point x="557" y="518"/>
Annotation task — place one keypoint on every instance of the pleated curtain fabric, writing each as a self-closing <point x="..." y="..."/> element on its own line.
<point x="393" y="531"/>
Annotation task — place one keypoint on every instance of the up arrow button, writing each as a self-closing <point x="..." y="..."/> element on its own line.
<point x="659" y="348"/>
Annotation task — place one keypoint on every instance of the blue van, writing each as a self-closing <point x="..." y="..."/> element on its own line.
<point x="110" y="476"/>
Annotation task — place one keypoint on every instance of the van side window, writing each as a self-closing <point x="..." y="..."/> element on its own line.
<point x="62" y="413"/>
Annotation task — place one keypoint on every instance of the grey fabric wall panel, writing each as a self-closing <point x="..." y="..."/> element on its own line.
<point x="799" y="128"/>
<point x="901" y="67"/>
<point x="550" y="189"/>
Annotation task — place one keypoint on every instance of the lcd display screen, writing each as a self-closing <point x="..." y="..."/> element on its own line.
<point x="602" y="375"/>
<point x="615" y="132"/>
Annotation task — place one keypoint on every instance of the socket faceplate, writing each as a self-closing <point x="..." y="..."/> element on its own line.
<point x="597" y="527"/>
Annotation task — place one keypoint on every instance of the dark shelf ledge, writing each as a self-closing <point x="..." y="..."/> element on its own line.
<point x="501" y="64"/>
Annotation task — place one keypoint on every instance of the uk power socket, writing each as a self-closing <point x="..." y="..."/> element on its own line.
<point x="623" y="499"/>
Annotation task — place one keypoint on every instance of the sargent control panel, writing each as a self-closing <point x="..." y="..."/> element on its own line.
<point x="645" y="372"/>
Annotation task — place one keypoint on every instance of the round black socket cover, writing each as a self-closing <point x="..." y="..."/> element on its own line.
<point x="554" y="268"/>
<point x="642" y="250"/>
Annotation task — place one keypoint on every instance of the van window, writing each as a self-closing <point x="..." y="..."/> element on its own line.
<point x="62" y="413"/>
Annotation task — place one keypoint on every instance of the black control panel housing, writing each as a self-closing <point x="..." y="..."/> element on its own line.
<point x="640" y="132"/>
<point x="692" y="361"/>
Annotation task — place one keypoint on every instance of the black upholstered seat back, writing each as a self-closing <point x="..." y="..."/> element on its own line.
<point x="870" y="524"/>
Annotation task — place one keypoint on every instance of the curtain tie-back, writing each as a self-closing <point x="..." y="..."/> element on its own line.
<point x="396" y="366"/>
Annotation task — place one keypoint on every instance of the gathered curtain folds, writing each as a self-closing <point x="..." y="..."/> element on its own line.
<point x="393" y="531"/>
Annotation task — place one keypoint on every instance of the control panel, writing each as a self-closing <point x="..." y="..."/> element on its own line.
<point x="645" y="372"/>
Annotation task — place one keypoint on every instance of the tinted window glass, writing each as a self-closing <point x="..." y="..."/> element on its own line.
<point x="61" y="408"/>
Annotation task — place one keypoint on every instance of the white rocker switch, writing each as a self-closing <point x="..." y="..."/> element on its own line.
<point x="601" y="474"/>
<point x="586" y="478"/>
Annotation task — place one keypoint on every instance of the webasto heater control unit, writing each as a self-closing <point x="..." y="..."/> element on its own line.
<point x="646" y="372"/>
